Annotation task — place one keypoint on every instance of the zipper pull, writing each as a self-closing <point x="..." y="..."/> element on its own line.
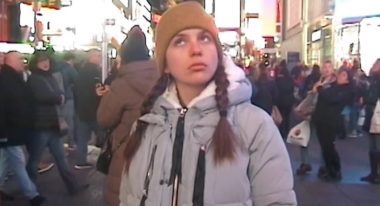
<point x="183" y="111"/>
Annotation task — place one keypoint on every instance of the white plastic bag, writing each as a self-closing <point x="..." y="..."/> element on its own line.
<point x="300" y="134"/>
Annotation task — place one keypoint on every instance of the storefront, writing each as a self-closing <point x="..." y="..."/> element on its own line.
<point x="319" y="42"/>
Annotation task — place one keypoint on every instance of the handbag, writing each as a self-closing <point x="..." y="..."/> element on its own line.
<point x="276" y="115"/>
<point x="104" y="160"/>
<point x="105" y="157"/>
<point x="375" y="121"/>
<point x="300" y="134"/>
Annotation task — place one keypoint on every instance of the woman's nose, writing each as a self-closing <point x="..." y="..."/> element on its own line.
<point x="195" y="48"/>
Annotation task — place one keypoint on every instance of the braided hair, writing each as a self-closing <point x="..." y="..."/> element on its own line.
<point x="134" y="141"/>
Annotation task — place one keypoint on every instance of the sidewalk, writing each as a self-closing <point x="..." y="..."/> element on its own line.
<point x="309" y="189"/>
<point x="350" y="191"/>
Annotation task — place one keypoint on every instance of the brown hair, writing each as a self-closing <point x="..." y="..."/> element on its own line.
<point x="223" y="137"/>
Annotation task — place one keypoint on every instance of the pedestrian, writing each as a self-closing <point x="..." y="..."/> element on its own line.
<point x="119" y="107"/>
<point x="359" y="85"/>
<point x="371" y="97"/>
<point x="333" y="96"/>
<point x="199" y="140"/>
<point x="16" y="126"/>
<point x="285" y="99"/>
<point x="315" y="76"/>
<point x="48" y="98"/>
<point x="266" y="93"/>
<point x="86" y="105"/>
<point x="69" y="75"/>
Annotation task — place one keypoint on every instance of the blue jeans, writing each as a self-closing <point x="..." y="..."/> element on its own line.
<point x="69" y="113"/>
<point x="51" y="139"/>
<point x="84" y="135"/>
<point x="13" y="158"/>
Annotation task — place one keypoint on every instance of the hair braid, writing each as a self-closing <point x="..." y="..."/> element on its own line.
<point x="223" y="137"/>
<point x="134" y="141"/>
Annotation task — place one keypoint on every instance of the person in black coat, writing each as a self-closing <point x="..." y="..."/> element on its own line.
<point x="332" y="98"/>
<point x="48" y="98"/>
<point x="86" y="105"/>
<point x="285" y="98"/>
<point x="16" y="125"/>
<point x="266" y="92"/>
<point x="371" y="96"/>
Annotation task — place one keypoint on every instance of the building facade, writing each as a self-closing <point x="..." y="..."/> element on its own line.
<point x="307" y="32"/>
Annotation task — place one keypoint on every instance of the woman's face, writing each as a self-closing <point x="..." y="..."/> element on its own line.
<point x="191" y="58"/>
<point x="342" y="78"/>
<point x="44" y="64"/>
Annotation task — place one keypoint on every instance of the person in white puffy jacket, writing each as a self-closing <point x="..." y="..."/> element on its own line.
<point x="199" y="141"/>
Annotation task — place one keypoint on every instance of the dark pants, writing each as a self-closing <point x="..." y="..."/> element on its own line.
<point x="326" y="136"/>
<point x="52" y="140"/>
<point x="285" y="124"/>
<point x="85" y="130"/>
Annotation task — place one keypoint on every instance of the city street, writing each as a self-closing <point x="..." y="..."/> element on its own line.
<point x="310" y="190"/>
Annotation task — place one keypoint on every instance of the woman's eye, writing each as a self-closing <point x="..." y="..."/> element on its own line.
<point x="179" y="42"/>
<point x="205" y="38"/>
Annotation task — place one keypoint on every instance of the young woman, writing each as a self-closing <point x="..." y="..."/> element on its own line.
<point x="333" y="95"/>
<point x="199" y="140"/>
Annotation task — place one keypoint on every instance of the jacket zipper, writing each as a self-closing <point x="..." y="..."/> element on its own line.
<point x="176" y="172"/>
<point x="148" y="176"/>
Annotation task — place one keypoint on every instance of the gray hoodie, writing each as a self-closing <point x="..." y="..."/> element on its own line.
<point x="260" y="174"/>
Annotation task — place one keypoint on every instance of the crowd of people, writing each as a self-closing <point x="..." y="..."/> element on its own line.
<point x="342" y="95"/>
<point x="179" y="125"/>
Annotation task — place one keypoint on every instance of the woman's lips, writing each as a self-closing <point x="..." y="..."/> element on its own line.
<point x="197" y="66"/>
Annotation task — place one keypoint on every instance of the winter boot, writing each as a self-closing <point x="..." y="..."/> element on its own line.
<point x="373" y="177"/>
<point x="376" y="174"/>
<point x="372" y="164"/>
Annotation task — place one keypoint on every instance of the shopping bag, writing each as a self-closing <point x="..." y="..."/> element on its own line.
<point x="307" y="105"/>
<point x="300" y="134"/>
<point x="375" y="121"/>
<point x="276" y="115"/>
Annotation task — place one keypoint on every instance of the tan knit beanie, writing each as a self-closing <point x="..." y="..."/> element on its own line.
<point x="183" y="16"/>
